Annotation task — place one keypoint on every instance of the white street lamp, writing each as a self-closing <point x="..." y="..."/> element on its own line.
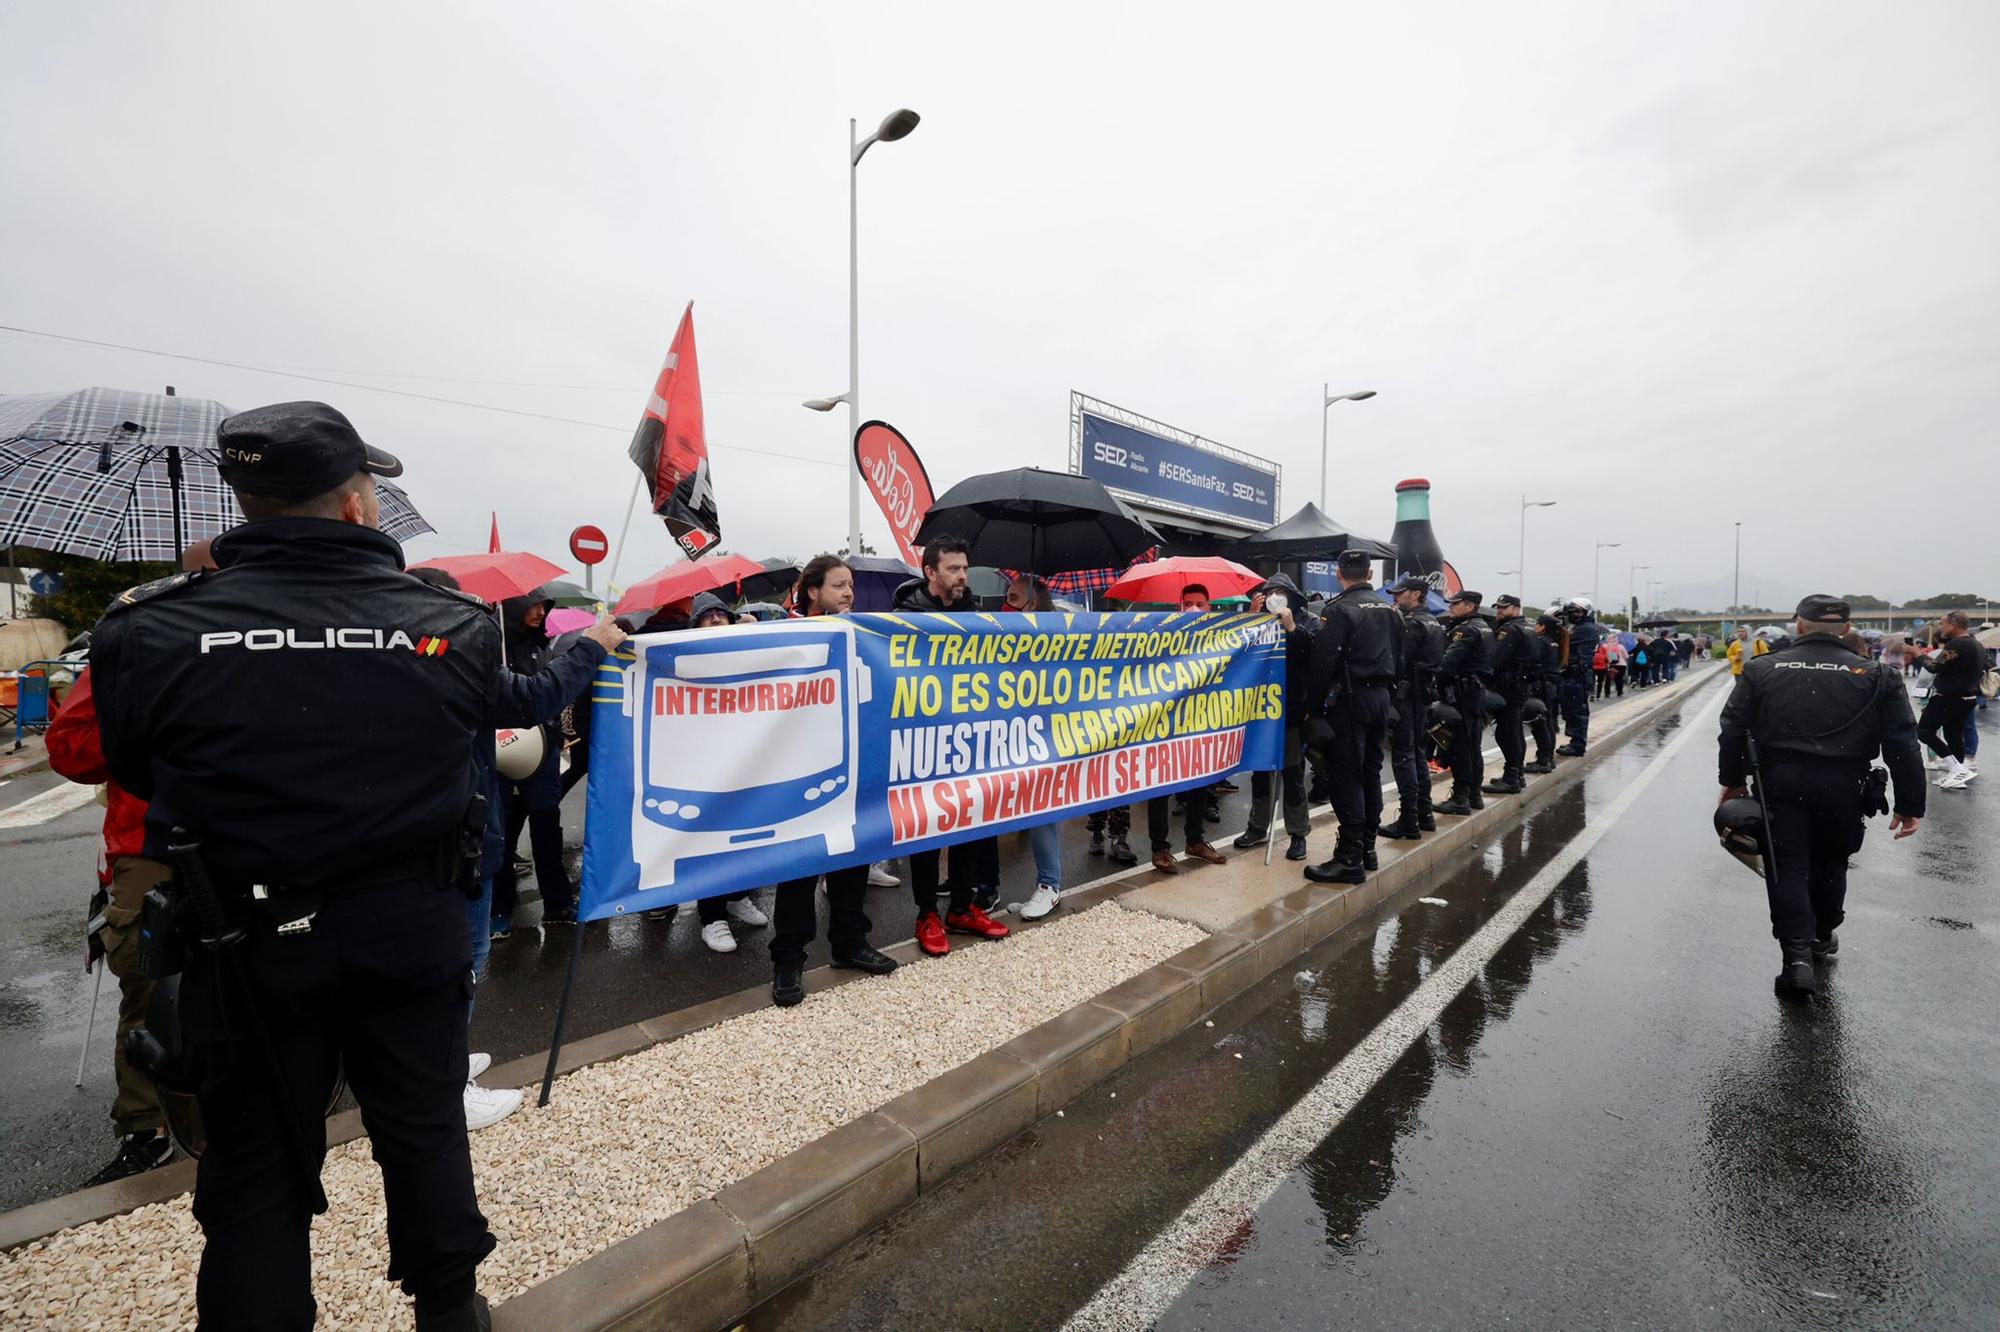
<point x="896" y="125"/>
<point x="1527" y="504"/>
<point x="1597" y="555"/>
<point x="1632" y="595"/>
<point x="1327" y="399"/>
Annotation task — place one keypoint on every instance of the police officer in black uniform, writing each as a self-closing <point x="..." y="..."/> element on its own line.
<point x="1468" y="668"/>
<point x="1356" y="657"/>
<point x="1516" y="664"/>
<point x="1549" y="636"/>
<point x="308" y="715"/>
<point x="1817" y="714"/>
<point x="1584" y="635"/>
<point x="1409" y="736"/>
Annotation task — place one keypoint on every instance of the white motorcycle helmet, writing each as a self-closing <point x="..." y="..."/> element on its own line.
<point x="517" y="753"/>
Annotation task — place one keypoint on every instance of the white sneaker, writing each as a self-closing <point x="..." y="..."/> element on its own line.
<point x="1954" y="781"/>
<point x="880" y="877"/>
<point x="1969" y="772"/>
<point x="745" y="910"/>
<point x="1044" y="901"/>
<point x="487" y="1106"/>
<point x="476" y="1063"/>
<point x="717" y="936"/>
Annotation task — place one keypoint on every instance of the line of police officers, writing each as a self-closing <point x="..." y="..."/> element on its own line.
<point x="1381" y="674"/>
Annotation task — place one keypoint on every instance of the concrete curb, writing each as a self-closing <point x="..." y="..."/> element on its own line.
<point x="714" y="1261"/>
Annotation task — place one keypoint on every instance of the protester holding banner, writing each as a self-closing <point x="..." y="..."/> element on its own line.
<point x="715" y="913"/>
<point x="975" y="865"/>
<point x="825" y="587"/>
<point x="1279" y="596"/>
<point x="1195" y="804"/>
<point x="1029" y="593"/>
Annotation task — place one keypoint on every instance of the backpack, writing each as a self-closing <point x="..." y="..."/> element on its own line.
<point x="1989" y="679"/>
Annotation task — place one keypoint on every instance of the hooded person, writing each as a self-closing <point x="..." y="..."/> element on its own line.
<point x="710" y="611"/>
<point x="534" y="801"/>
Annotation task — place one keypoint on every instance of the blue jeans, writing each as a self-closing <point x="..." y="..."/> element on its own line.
<point x="1045" y="841"/>
<point x="479" y="926"/>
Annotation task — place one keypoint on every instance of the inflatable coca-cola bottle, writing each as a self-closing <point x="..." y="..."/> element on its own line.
<point x="1417" y="549"/>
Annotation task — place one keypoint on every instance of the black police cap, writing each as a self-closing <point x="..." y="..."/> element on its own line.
<point x="295" y="450"/>
<point x="1352" y="562"/>
<point x="1412" y="583"/>
<point x="1468" y="595"/>
<point x="1819" y="608"/>
<point x="1507" y="599"/>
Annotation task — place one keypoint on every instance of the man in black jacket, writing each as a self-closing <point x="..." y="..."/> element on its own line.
<point x="1356" y="657"/>
<point x="1955" y="665"/>
<point x="1468" y="668"/>
<point x="1416" y="688"/>
<point x="1288" y="605"/>
<point x="309" y="716"/>
<point x="1818" y="714"/>
<point x="1516" y="662"/>
<point x="975" y="865"/>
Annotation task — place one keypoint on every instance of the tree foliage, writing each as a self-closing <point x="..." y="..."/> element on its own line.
<point x="88" y="586"/>
<point x="1862" y="601"/>
<point x="1947" y="601"/>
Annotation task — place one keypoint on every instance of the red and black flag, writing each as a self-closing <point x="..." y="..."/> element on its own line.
<point x="671" y="448"/>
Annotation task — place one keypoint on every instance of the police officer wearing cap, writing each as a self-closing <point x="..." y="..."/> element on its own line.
<point x="308" y="716"/>
<point x="1409" y="735"/>
<point x="1806" y="723"/>
<point x="1516" y="663"/>
<point x="1468" y="667"/>
<point x="1356" y="657"/>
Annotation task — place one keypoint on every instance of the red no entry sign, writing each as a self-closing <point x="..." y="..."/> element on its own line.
<point x="589" y="544"/>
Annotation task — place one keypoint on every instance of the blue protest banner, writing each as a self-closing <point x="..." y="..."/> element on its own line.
<point x="749" y="755"/>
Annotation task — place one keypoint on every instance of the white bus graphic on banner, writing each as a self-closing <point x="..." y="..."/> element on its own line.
<point x="702" y="789"/>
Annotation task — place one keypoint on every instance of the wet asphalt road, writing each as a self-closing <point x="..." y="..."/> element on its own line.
<point x="632" y="970"/>
<point x="1615" y="1124"/>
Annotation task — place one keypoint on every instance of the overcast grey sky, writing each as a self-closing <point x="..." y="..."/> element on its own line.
<point x="1669" y="265"/>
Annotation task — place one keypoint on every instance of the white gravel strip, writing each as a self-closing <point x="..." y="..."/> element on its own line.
<point x="627" y="1143"/>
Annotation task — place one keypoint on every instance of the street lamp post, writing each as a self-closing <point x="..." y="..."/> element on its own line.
<point x="1327" y="398"/>
<point x="896" y="125"/>
<point x="1527" y="504"/>
<point x="1632" y="595"/>
<point x="1736" y="583"/>
<point x="1595" y="557"/>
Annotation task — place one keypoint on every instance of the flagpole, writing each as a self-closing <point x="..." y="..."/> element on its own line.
<point x="611" y="579"/>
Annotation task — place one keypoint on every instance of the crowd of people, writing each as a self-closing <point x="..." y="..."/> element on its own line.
<point x="369" y="949"/>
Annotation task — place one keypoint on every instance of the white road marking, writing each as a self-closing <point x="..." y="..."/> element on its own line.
<point x="50" y="804"/>
<point x="1152" y="1281"/>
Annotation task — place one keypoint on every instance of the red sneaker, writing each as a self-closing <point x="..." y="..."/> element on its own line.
<point x="930" y="935"/>
<point x="974" y="921"/>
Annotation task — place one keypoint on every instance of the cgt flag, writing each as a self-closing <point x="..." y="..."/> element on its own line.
<point x="671" y="448"/>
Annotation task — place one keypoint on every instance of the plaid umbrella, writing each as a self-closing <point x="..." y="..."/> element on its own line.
<point x="114" y="475"/>
<point x="1088" y="582"/>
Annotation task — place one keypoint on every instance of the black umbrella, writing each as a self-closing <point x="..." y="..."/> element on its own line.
<point x="1039" y="522"/>
<point x="777" y="579"/>
<point x="1308" y="535"/>
<point x="1658" y="624"/>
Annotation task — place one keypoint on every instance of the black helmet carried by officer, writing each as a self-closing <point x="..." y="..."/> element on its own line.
<point x="1739" y="822"/>
<point x="1443" y="720"/>
<point x="1533" y="708"/>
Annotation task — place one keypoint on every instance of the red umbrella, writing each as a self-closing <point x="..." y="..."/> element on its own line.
<point x="677" y="582"/>
<point x="498" y="575"/>
<point x="1161" y="581"/>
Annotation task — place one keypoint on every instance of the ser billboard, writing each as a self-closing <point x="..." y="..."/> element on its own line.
<point x="1156" y="466"/>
